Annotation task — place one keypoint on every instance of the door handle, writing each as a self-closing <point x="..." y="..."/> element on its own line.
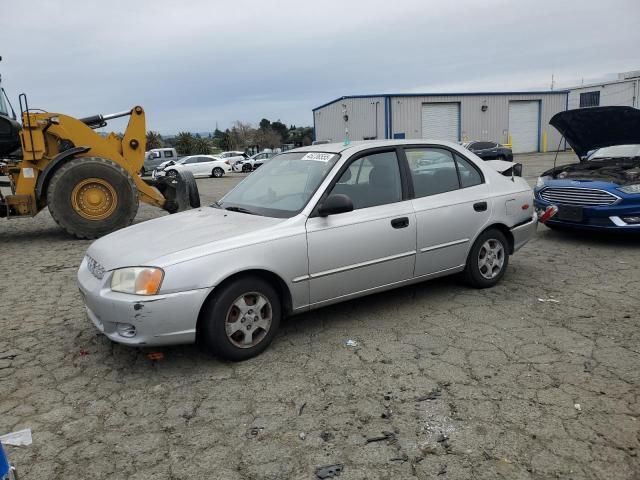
<point x="401" y="222"/>
<point x="480" y="206"/>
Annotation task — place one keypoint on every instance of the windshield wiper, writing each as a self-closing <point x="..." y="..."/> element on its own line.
<point x="241" y="210"/>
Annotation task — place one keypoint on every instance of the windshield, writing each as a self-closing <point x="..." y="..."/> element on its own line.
<point x="283" y="186"/>
<point x="3" y="105"/>
<point x="616" y="151"/>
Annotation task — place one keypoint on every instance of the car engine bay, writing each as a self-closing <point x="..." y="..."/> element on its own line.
<point x="622" y="171"/>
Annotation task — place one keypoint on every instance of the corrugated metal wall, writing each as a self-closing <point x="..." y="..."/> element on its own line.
<point x="492" y="124"/>
<point x="362" y="119"/>
<point x="406" y="116"/>
<point x="621" y="94"/>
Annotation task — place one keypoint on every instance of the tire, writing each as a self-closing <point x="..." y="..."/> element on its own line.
<point x="172" y="173"/>
<point x="217" y="172"/>
<point x="246" y="168"/>
<point x="221" y="311"/>
<point x="110" y="185"/>
<point x="192" y="188"/>
<point x="487" y="275"/>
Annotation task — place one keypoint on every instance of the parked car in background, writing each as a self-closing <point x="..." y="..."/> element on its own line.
<point x="249" y="164"/>
<point x="157" y="156"/>
<point x="602" y="190"/>
<point x="297" y="235"/>
<point x="199" y="165"/>
<point x="233" y="157"/>
<point x="489" y="150"/>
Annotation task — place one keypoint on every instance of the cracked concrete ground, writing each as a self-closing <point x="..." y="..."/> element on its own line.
<point x="445" y="381"/>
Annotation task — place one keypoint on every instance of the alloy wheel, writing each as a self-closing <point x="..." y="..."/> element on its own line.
<point x="248" y="320"/>
<point x="491" y="258"/>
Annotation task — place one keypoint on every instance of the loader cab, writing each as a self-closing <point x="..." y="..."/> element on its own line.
<point x="9" y="127"/>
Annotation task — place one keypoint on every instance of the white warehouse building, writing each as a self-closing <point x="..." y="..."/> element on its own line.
<point x="622" y="92"/>
<point x="519" y="118"/>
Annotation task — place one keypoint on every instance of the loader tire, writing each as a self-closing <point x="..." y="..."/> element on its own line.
<point x="90" y="197"/>
<point x="192" y="188"/>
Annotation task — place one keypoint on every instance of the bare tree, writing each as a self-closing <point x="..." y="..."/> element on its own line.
<point x="242" y="135"/>
<point x="268" y="138"/>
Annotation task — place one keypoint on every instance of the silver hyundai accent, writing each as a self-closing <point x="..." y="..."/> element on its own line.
<point x="314" y="226"/>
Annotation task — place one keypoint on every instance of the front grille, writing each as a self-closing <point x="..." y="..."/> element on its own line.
<point x="95" y="268"/>
<point x="588" y="197"/>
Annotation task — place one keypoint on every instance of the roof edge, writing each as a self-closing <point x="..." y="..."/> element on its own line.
<point x="444" y="94"/>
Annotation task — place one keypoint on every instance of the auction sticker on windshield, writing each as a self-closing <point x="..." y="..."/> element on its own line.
<point x="318" y="157"/>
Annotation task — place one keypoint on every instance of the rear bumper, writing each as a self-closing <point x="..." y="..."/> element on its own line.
<point x="524" y="232"/>
<point x="165" y="319"/>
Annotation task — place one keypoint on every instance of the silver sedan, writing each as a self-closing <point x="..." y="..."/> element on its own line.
<point x="312" y="227"/>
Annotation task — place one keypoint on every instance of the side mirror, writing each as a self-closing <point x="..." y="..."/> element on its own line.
<point x="334" y="204"/>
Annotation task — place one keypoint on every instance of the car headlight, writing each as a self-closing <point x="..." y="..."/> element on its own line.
<point x="635" y="188"/>
<point x="137" y="280"/>
<point x="542" y="180"/>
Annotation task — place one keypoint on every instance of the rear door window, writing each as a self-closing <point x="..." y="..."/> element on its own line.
<point x="433" y="171"/>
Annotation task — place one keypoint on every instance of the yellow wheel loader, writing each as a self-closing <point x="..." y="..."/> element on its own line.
<point x="90" y="183"/>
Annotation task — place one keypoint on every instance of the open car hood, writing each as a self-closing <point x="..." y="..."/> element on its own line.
<point x="586" y="129"/>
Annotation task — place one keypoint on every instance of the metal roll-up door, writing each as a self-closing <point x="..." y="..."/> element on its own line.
<point x="441" y="121"/>
<point x="524" y="123"/>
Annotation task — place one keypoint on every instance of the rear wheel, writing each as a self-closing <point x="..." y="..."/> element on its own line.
<point x="217" y="172"/>
<point x="241" y="320"/>
<point x="487" y="260"/>
<point x="90" y="197"/>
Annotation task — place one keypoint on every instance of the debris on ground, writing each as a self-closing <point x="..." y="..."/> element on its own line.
<point x="548" y="300"/>
<point x="432" y="395"/>
<point x="326" y="436"/>
<point x="254" y="432"/>
<point x="383" y="437"/>
<point x="83" y="352"/>
<point x="329" y="471"/>
<point x="442" y="470"/>
<point x="351" y="343"/>
<point x="302" y="435"/>
<point x="402" y="458"/>
<point x="155" y="356"/>
<point x="19" y="438"/>
<point x="301" y="408"/>
<point x="577" y="406"/>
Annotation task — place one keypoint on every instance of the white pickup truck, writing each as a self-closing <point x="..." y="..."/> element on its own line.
<point x="154" y="157"/>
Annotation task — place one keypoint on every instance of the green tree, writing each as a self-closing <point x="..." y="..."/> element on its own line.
<point x="281" y="129"/>
<point x="184" y="143"/>
<point x="264" y="124"/>
<point x="201" y="146"/>
<point x="154" y="140"/>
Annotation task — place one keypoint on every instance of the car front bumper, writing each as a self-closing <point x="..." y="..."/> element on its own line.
<point x="164" y="319"/>
<point x="603" y="218"/>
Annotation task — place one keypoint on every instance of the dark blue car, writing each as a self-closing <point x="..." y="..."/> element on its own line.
<point x="602" y="190"/>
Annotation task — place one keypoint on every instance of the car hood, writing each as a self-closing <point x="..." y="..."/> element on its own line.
<point x="141" y="244"/>
<point x="586" y="129"/>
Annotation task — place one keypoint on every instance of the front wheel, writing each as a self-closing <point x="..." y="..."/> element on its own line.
<point x="487" y="260"/>
<point x="90" y="197"/>
<point x="241" y="320"/>
<point x="217" y="172"/>
<point x="246" y="168"/>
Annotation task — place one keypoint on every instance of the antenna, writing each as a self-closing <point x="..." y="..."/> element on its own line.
<point x="552" y="81"/>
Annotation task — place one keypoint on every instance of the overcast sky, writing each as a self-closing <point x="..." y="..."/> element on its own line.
<point x="194" y="63"/>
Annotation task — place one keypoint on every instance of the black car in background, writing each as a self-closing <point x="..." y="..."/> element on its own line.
<point x="489" y="150"/>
